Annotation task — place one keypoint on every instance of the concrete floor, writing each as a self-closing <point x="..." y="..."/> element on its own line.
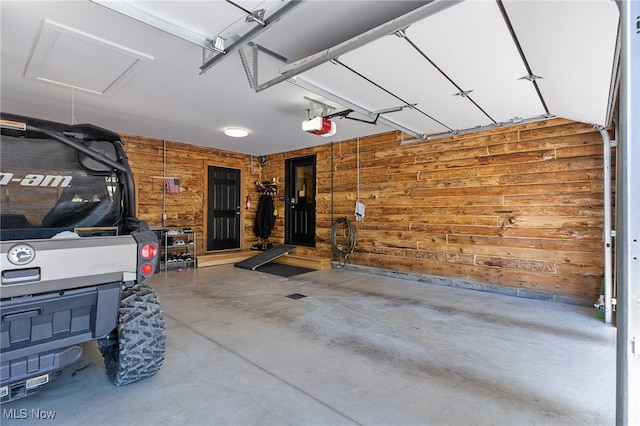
<point x="360" y="349"/>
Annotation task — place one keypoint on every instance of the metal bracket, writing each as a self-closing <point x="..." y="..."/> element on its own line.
<point x="402" y="32"/>
<point x="254" y="82"/>
<point x="313" y="105"/>
<point x="634" y="249"/>
<point x="346" y="112"/>
<point x="269" y="52"/>
<point x="463" y="93"/>
<point x="395" y="109"/>
<point x="256" y="48"/>
<point x="245" y="65"/>
<point x="251" y="34"/>
<point x="530" y="77"/>
<point x="257" y="16"/>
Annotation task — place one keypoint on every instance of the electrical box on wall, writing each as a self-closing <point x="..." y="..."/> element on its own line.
<point x="359" y="212"/>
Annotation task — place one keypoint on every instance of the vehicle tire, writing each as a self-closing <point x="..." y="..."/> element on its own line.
<point x="135" y="349"/>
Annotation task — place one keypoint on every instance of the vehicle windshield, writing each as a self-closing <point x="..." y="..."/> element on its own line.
<point x="45" y="190"/>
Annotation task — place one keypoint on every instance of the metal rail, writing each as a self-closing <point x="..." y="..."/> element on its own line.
<point x="628" y="225"/>
<point x="298" y="67"/>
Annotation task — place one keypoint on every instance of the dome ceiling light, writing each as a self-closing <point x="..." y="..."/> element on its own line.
<point x="236" y="132"/>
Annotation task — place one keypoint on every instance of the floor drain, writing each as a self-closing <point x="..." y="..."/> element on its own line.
<point x="296" y="296"/>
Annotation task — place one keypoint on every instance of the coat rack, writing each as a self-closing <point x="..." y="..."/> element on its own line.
<point x="266" y="187"/>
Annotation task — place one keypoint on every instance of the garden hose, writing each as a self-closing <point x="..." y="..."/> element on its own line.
<point x="345" y="249"/>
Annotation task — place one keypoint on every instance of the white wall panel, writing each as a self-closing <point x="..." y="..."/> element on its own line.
<point x="472" y="45"/>
<point x="344" y="83"/>
<point x="415" y="80"/>
<point x="571" y="44"/>
<point x="414" y="120"/>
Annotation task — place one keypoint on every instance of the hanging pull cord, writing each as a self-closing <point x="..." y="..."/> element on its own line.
<point x="343" y="251"/>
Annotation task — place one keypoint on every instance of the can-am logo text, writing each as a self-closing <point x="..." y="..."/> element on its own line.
<point x="32" y="179"/>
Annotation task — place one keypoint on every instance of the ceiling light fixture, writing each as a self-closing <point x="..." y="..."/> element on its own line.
<point x="236" y="132"/>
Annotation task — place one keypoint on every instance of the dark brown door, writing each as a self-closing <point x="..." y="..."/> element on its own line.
<point x="300" y="201"/>
<point x="223" y="209"/>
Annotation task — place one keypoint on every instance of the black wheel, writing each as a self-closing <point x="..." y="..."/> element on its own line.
<point x="135" y="349"/>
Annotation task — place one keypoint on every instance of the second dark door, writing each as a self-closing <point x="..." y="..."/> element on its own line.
<point x="300" y="201"/>
<point x="223" y="209"/>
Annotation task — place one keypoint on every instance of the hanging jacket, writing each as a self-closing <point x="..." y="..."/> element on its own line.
<point x="264" y="217"/>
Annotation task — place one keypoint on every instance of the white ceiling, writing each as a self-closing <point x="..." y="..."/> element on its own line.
<point x="148" y="82"/>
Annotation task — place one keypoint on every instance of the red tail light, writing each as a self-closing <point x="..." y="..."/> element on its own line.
<point x="146" y="269"/>
<point x="149" y="251"/>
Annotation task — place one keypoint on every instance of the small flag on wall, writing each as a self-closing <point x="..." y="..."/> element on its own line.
<point x="172" y="185"/>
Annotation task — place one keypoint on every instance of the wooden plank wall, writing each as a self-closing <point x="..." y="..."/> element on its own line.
<point x="189" y="164"/>
<point x="520" y="207"/>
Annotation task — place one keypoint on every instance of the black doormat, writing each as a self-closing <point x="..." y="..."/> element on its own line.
<point x="282" y="270"/>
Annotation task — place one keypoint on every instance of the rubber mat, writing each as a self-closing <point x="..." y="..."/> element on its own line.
<point x="281" y="270"/>
<point x="264" y="257"/>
